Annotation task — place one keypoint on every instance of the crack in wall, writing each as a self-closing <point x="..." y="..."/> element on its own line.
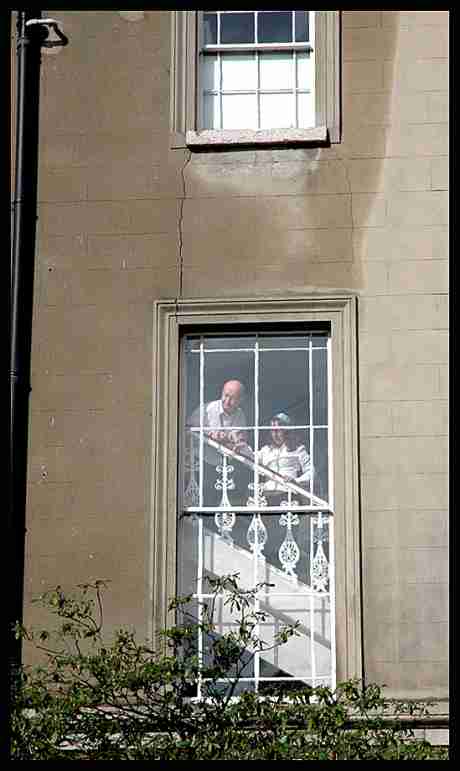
<point x="350" y="192"/>
<point x="180" y="259"/>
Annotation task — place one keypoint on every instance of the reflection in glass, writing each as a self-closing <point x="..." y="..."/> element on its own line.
<point x="226" y="623"/>
<point x="319" y="387"/>
<point x="305" y="71"/>
<point x="292" y="342"/>
<point x="301" y="26"/>
<point x="213" y="343"/>
<point x="284" y="385"/>
<point x="282" y="599"/>
<point x="318" y="341"/>
<point x="237" y="28"/>
<point x="320" y="462"/>
<point x="239" y="72"/>
<point x="239" y="111"/>
<point x="276" y="71"/>
<point x="305" y="110"/>
<point x="272" y="106"/>
<point x="304" y="654"/>
<point x="242" y="512"/>
<point x="274" y="26"/>
<point x="211" y="73"/>
<point x="210" y="28"/>
<point x="257" y="71"/>
<point x="211" y="111"/>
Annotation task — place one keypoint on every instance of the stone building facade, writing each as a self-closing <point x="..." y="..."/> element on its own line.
<point x="126" y="220"/>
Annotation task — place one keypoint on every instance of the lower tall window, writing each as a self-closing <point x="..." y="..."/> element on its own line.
<point x="255" y="472"/>
<point x="256" y="490"/>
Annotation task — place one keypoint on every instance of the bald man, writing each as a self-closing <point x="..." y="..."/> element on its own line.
<point x="224" y="413"/>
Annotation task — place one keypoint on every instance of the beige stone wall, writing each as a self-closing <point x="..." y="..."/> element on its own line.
<point x="124" y="220"/>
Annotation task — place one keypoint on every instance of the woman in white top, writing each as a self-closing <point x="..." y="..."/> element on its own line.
<point x="285" y="455"/>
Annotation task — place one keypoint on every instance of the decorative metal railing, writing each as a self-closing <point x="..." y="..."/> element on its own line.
<point x="299" y="569"/>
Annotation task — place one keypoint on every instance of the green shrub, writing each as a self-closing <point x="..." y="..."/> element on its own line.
<point x="121" y="700"/>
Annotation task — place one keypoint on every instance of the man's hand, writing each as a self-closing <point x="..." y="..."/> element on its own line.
<point x="217" y="436"/>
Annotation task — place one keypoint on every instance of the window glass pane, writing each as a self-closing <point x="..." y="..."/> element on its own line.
<point x="237" y="27"/>
<point x="248" y="426"/>
<point x="305" y="71"/>
<point x="312" y="643"/>
<point x="276" y="71"/>
<point x="320" y="463"/>
<point x="211" y="111"/>
<point x="319" y="368"/>
<point x="239" y="111"/>
<point x="229" y="343"/>
<point x="235" y="366"/>
<point x="187" y="555"/>
<point x="284" y="386"/>
<point x="191" y="382"/>
<point x="210" y="28"/>
<point x="274" y="26"/>
<point x="301" y="26"/>
<point x="277" y="111"/>
<point x="305" y="110"/>
<point x="216" y="552"/>
<point x="210" y="73"/>
<point x="318" y="341"/>
<point x="293" y="341"/>
<point x="240" y="502"/>
<point x="239" y="72"/>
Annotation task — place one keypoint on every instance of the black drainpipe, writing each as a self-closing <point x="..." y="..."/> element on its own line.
<point x="33" y="32"/>
<point x="29" y="41"/>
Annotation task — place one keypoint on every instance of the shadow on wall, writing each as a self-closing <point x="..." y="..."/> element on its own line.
<point x="293" y="221"/>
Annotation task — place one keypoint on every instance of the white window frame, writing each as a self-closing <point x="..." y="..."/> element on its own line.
<point x="184" y="118"/>
<point x="172" y="319"/>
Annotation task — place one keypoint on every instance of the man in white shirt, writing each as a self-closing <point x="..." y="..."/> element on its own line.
<point x="224" y="421"/>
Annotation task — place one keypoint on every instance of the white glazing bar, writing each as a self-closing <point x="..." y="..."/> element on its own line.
<point x="225" y="350"/>
<point x="330" y="481"/>
<point x="261" y="347"/>
<point x="268" y="427"/>
<point x="230" y="47"/>
<point x="312" y="639"/>
<point x="254" y="507"/>
<point x="201" y="450"/>
<point x="256" y="39"/>
<point x="257" y="627"/>
<point x="256" y="555"/>
<point x="294" y="88"/>
<point x="258" y="87"/>
<point x="199" y="586"/>
<point x="251" y="92"/>
<point x="312" y="547"/>
<point x="330" y="521"/>
<point x="220" y="97"/>
<point x="312" y="597"/>
<point x="310" y="402"/>
<point x="256" y="417"/>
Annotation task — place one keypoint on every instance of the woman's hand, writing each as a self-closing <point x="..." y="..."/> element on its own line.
<point x="243" y="449"/>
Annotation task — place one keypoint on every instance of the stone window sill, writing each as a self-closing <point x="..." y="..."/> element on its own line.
<point x="231" y="138"/>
